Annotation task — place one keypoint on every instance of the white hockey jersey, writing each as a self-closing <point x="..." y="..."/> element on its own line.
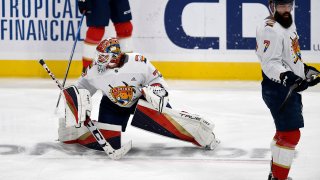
<point x="122" y="85"/>
<point x="278" y="50"/>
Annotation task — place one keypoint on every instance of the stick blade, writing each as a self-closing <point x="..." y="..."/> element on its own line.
<point x="119" y="153"/>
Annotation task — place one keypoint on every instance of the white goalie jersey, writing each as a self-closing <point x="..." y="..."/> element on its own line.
<point x="278" y="50"/>
<point x="122" y="85"/>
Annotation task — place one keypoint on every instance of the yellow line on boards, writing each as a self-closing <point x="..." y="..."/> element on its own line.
<point x="169" y="69"/>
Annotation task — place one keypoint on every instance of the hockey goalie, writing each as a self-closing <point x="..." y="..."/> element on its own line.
<point x="130" y="85"/>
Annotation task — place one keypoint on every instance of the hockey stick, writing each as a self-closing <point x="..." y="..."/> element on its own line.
<point x="283" y="105"/>
<point x="112" y="153"/>
<point x="291" y="89"/>
<point x="70" y="59"/>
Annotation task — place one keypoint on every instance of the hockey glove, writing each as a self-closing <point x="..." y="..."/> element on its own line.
<point x="311" y="75"/>
<point x="85" y="6"/>
<point x="156" y="95"/>
<point x="288" y="79"/>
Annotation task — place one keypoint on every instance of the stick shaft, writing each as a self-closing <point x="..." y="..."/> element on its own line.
<point x="71" y="56"/>
<point x="44" y="65"/>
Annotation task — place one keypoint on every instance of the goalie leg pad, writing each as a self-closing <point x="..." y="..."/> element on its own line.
<point x="170" y="123"/>
<point x="81" y="135"/>
<point x="77" y="104"/>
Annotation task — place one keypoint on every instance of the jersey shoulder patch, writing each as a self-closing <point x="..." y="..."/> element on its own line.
<point x="140" y="58"/>
<point x="269" y="21"/>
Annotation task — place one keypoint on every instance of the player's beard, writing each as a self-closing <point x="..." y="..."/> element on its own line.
<point x="284" y="21"/>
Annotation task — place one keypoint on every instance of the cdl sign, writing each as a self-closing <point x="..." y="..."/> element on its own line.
<point x="236" y="14"/>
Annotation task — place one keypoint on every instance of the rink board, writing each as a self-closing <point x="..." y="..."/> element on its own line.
<point x="170" y="70"/>
<point x="185" y="39"/>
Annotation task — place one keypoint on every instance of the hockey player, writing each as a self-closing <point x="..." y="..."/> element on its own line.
<point x="98" y="13"/>
<point x="282" y="68"/>
<point x="124" y="78"/>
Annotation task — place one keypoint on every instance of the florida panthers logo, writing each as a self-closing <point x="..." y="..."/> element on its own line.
<point x="295" y="48"/>
<point x="122" y="94"/>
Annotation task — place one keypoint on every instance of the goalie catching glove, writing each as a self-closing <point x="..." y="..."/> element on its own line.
<point x="156" y="95"/>
<point x="77" y="104"/>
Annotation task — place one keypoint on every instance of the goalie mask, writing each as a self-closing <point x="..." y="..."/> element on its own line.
<point x="108" y="54"/>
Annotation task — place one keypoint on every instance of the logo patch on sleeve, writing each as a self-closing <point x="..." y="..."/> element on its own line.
<point x="296" y="52"/>
<point x="266" y="45"/>
<point x="140" y="58"/>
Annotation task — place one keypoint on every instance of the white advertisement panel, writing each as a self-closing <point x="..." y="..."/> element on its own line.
<point x="164" y="30"/>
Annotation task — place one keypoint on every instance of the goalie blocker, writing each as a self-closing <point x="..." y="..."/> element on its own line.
<point x="175" y="124"/>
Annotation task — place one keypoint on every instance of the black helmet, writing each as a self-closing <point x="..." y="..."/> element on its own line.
<point x="281" y="1"/>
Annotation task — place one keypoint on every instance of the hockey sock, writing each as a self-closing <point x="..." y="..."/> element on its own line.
<point x="124" y="29"/>
<point x="124" y="32"/>
<point x="93" y="37"/>
<point x="283" y="152"/>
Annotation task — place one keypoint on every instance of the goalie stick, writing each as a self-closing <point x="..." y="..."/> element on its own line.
<point x="70" y="59"/>
<point x="112" y="153"/>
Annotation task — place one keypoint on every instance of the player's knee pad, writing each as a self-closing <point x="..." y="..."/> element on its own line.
<point x="290" y="137"/>
<point x="78" y="104"/>
<point x="94" y="34"/>
<point x="80" y="134"/>
<point x="123" y="29"/>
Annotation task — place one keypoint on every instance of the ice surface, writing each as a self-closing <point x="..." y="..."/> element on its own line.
<point x="29" y="150"/>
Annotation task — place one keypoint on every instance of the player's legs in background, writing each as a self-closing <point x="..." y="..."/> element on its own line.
<point x="121" y="17"/>
<point x="93" y="37"/>
<point x="96" y="22"/>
